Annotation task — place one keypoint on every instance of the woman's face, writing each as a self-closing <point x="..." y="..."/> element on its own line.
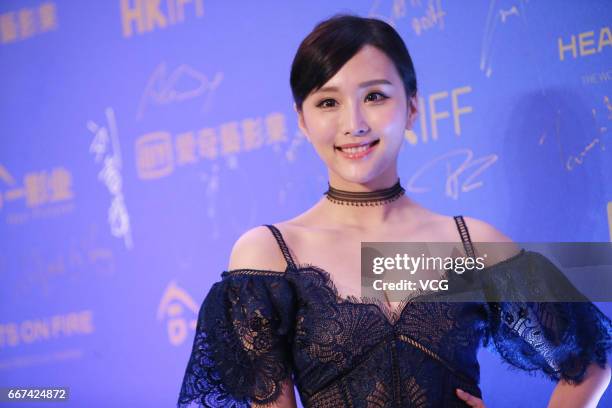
<point x="364" y="103"/>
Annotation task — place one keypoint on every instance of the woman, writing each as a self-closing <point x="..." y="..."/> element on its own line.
<point x="293" y="316"/>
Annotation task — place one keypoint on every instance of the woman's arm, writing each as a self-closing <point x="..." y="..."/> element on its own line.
<point x="285" y="400"/>
<point x="257" y="249"/>
<point x="565" y="395"/>
<point x="584" y="395"/>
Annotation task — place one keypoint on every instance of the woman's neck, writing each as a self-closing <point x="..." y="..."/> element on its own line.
<point x="365" y="217"/>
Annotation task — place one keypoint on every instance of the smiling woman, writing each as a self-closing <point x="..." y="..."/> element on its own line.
<point x="287" y="312"/>
<point x="355" y="95"/>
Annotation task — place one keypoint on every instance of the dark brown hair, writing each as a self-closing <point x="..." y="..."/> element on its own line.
<point x="336" y="40"/>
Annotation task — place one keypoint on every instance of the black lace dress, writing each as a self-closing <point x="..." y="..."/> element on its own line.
<point x="256" y="328"/>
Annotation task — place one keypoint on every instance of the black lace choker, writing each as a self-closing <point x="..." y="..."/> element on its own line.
<point x="365" y="198"/>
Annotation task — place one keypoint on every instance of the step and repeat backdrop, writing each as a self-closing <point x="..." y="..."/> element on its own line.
<point x="140" y="138"/>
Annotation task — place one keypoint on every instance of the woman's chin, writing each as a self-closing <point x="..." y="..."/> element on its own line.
<point x="360" y="177"/>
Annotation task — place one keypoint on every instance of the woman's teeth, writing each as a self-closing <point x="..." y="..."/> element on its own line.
<point x="353" y="150"/>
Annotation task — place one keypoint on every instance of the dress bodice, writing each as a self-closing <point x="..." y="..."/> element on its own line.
<point x="257" y="328"/>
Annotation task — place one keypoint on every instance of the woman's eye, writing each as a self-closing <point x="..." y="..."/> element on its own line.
<point x="327" y="103"/>
<point x="376" y="97"/>
<point x="371" y="97"/>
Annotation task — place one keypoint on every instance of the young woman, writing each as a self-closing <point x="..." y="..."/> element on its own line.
<point x="289" y="312"/>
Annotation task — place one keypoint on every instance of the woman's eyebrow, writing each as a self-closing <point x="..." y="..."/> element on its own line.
<point x="361" y="85"/>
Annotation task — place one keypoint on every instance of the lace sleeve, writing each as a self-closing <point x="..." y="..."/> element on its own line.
<point x="558" y="339"/>
<point x="241" y="350"/>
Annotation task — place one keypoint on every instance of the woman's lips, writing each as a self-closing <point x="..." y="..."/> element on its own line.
<point x="359" y="153"/>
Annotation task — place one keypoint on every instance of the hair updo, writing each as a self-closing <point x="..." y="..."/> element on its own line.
<point x="335" y="41"/>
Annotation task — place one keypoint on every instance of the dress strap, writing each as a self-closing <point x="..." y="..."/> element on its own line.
<point x="283" y="246"/>
<point x="465" y="235"/>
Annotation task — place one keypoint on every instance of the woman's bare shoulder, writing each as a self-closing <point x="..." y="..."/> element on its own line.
<point x="485" y="237"/>
<point x="482" y="231"/>
<point x="257" y="249"/>
<point x="488" y="239"/>
<point x="445" y="227"/>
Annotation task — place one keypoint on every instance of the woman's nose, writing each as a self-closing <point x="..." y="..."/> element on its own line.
<point x="354" y="121"/>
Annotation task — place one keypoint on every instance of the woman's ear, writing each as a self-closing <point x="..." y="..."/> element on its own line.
<point x="301" y="123"/>
<point x="412" y="111"/>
